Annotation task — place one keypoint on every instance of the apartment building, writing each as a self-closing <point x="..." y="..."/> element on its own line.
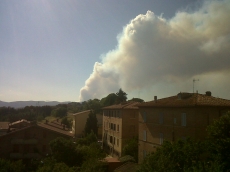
<point x="79" y="121"/>
<point x="120" y="123"/>
<point x="177" y="117"/>
<point x="30" y="140"/>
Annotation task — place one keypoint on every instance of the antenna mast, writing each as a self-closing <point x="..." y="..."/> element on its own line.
<point x="194" y="80"/>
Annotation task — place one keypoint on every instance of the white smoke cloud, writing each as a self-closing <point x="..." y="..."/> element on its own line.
<point x="153" y="51"/>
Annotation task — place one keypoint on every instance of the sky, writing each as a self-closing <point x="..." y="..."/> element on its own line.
<point x="72" y="50"/>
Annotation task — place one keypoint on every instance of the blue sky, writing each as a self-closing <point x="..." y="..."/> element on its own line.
<point x="48" y="48"/>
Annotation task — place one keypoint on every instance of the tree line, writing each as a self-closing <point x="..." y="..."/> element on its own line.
<point x="38" y="113"/>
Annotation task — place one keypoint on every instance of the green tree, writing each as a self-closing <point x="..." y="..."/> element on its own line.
<point x="121" y="96"/>
<point x="64" y="150"/>
<point x="94" y="105"/>
<point x="51" y="165"/>
<point x="109" y="100"/>
<point x="67" y="122"/>
<point x="180" y="156"/>
<point x="87" y="140"/>
<point x="14" y="166"/>
<point x="137" y="100"/>
<point x="91" y="124"/>
<point x="219" y="140"/>
<point x="131" y="148"/>
<point x="59" y="112"/>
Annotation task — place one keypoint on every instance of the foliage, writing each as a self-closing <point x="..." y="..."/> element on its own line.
<point x="30" y="113"/>
<point x="131" y="148"/>
<point x="93" y="155"/>
<point x="94" y="105"/>
<point x="94" y="165"/>
<point x="64" y="150"/>
<point x="50" y="165"/>
<point x="127" y="158"/>
<point x="91" y="124"/>
<point x="6" y="165"/>
<point x="121" y="96"/>
<point x="179" y="156"/>
<point x="137" y="100"/>
<point x="59" y="112"/>
<point x="87" y="140"/>
<point x="108" y="100"/>
<point x="219" y="139"/>
<point x="67" y="122"/>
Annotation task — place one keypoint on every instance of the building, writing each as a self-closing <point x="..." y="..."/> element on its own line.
<point x="30" y="140"/>
<point x="79" y="121"/>
<point x="120" y="123"/>
<point x="4" y="127"/>
<point x="177" y="117"/>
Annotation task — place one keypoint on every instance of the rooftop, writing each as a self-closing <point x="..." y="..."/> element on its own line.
<point x="188" y="100"/>
<point x="83" y="112"/>
<point x="124" y="105"/>
<point x="53" y="126"/>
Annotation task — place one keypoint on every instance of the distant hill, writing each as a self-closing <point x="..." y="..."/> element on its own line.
<point x="22" y="104"/>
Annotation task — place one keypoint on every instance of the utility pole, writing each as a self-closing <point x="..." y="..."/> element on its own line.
<point x="194" y="80"/>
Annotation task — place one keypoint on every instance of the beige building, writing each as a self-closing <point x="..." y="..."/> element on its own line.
<point x="79" y="121"/>
<point x="120" y="123"/>
<point x="177" y="117"/>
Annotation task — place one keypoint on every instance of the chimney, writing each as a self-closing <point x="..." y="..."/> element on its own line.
<point x="208" y="93"/>
<point x="155" y="99"/>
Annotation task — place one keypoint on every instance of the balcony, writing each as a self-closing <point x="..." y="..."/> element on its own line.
<point x="24" y="141"/>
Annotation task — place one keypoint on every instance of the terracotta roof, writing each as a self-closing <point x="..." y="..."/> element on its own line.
<point x="53" y="126"/>
<point x="187" y="100"/>
<point x="82" y="112"/>
<point x="58" y="130"/>
<point x="125" y="105"/>
<point x="111" y="159"/>
<point x="129" y="166"/>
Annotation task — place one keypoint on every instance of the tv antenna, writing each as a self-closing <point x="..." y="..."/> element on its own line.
<point x="194" y="80"/>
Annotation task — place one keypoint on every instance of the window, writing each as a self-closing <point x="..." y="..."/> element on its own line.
<point x="114" y="140"/>
<point x="117" y="127"/>
<point x="144" y="135"/>
<point x="111" y="139"/>
<point x="161" y="118"/>
<point x="114" y="127"/>
<point x="161" y="138"/>
<point x="117" y="142"/>
<point x="183" y="119"/>
<point x="118" y="114"/>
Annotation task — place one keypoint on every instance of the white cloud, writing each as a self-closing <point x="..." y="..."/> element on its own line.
<point x="153" y="51"/>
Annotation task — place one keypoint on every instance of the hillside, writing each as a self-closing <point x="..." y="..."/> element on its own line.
<point x="21" y="104"/>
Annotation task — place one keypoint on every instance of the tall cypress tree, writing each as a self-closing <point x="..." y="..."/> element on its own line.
<point x="91" y="124"/>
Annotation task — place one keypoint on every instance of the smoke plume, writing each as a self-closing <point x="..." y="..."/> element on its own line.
<point x="153" y="51"/>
